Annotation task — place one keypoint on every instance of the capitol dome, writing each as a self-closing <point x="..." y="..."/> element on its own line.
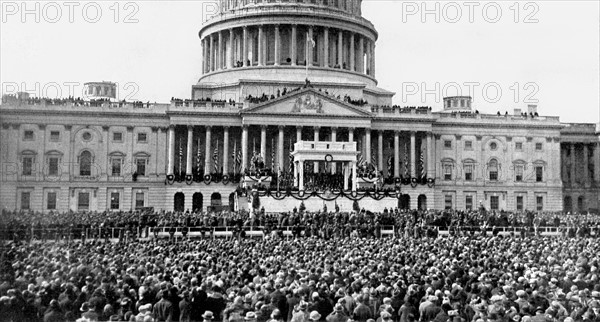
<point x="259" y="47"/>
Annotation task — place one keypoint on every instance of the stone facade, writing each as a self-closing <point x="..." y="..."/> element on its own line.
<point x="253" y="98"/>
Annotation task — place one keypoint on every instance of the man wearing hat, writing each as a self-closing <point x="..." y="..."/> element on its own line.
<point x="337" y="315"/>
<point x="88" y="312"/>
<point x="163" y="309"/>
<point x="208" y="316"/>
<point x="250" y="317"/>
<point x="314" y="316"/>
<point x="301" y="313"/>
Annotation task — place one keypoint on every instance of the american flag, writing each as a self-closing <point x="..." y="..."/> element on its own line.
<point x="373" y="160"/>
<point x="216" y="158"/>
<point x="422" y="165"/>
<point x="361" y="160"/>
<point x="239" y="161"/>
<point x="233" y="154"/>
<point x="389" y="165"/>
<point x="406" y="169"/>
<point x="272" y="156"/>
<point x="291" y="165"/>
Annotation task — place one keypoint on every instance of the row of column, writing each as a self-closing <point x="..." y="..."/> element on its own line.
<point x="573" y="164"/>
<point x="280" y="148"/>
<point x="349" y="51"/>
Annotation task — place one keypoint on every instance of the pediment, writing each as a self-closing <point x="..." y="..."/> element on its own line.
<point x="307" y="102"/>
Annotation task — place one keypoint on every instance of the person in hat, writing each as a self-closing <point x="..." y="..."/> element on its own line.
<point x="88" y="312"/>
<point x="163" y="309"/>
<point x="338" y="314"/>
<point x="384" y="316"/>
<point x="208" y="316"/>
<point x="362" y="312"/>
<point x="301" y="314"/>
<point x="250" y="317"/>
<point x="276" y="316"/>
<point x="314" y="316"/>
<point x="54" y="313"/>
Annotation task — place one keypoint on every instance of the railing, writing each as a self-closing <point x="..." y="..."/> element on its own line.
<point x="124" y="234"/>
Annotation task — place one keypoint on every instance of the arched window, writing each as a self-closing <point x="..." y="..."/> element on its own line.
<point x="85" y="163"/>
<point x="493" y="170"/>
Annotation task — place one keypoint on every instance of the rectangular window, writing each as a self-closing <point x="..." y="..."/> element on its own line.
<point x="519" y="173"/>
<point x="116" y="167"/>
<point x="519" y="202"/>
<point x="448" y="202"/>
<point x="117" y="137"/>
<point x="447" y="172"/>
<point x="27" y="166"/>
<point x="83" y="201"/>
<point x="469" y="202"/>
<point x="28" y="135"/>
<point x="139" y="200"/>
<point x="539" y="146"/>
<point x="54" y="136"/>
<point x="539" y="201"/>
<point x="447" y="144"/>
<point x="519" y="146"/>
<point x="114" y="200"/>
<point x="494" y="202"/>
<point x="468" y="145"/>
<point x="468" y="172"/>
<point x="539" y="174"/>
<point x="141" y="167"/>
<point x="25" y="200"/>
<point x="51" y="201"/>
<point x="52" y="166"/>
<point x="142" y="138"/>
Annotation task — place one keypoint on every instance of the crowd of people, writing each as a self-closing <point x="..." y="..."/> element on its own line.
<point x="457" y="278"/>
<point x="327" y="223"/>
<point x="199" y="101"/>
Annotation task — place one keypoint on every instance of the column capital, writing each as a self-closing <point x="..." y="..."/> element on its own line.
<point x="42" y="126"/>
<point x="334" y="128"/>
<point x="299" y="127"/>
<point x="317" y="127"/>
<point x="263" y="126"/>
<point x="281" y="127"/>
<point x="397" y="132"/>
<point x="245" y="126"/>
<point x="154" y="129"/>
<point x="105" y="128"/>
<point x="171" y="126"/>
<point x="226" y="128"/>
<point x="208" y="127"/>
<point x="190" y="127"/>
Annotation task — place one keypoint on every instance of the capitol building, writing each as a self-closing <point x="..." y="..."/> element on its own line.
<point x="288" y="109"/>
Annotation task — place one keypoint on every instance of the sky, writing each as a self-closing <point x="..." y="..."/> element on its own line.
<point x="505" y="54"/>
